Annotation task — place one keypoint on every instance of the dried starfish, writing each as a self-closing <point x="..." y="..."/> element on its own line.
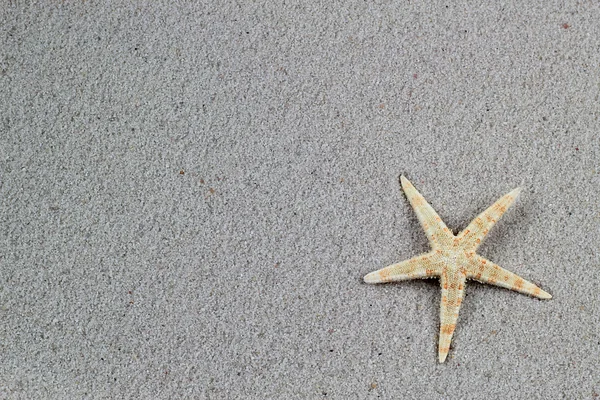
<point x="452" y="258"/>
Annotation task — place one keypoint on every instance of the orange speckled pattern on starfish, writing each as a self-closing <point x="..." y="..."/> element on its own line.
<point x="453" y="259"/>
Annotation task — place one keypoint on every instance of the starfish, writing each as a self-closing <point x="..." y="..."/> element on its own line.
<point x="453" y="259"/>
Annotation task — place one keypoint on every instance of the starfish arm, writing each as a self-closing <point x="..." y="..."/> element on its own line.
<point x="424" y="266"/>
<point x="473" y="234"/>
<point x="437" y="232"/>
<point x="485" y="271"/>
<point x="453" y="289"/>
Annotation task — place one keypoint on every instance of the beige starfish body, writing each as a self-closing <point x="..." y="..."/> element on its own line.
<point x="453" y="259"/>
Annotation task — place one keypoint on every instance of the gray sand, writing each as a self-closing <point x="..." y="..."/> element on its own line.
<point x="190" y="196"/>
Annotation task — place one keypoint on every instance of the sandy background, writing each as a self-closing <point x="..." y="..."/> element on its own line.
<point x="191" y="194"/>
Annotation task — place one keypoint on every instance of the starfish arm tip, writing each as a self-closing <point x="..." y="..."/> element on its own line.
<point x="403" y="180"/>
<point x="442" y="357"/>
<point x="515" y="192"/>
<point x="372" y="277"/>
<point x="545" y="295"/>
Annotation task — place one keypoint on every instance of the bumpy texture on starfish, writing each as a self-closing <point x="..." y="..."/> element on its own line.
<point x="453" y="259"/>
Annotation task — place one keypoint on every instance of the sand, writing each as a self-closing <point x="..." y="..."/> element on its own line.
<point x="190" y="196"/>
